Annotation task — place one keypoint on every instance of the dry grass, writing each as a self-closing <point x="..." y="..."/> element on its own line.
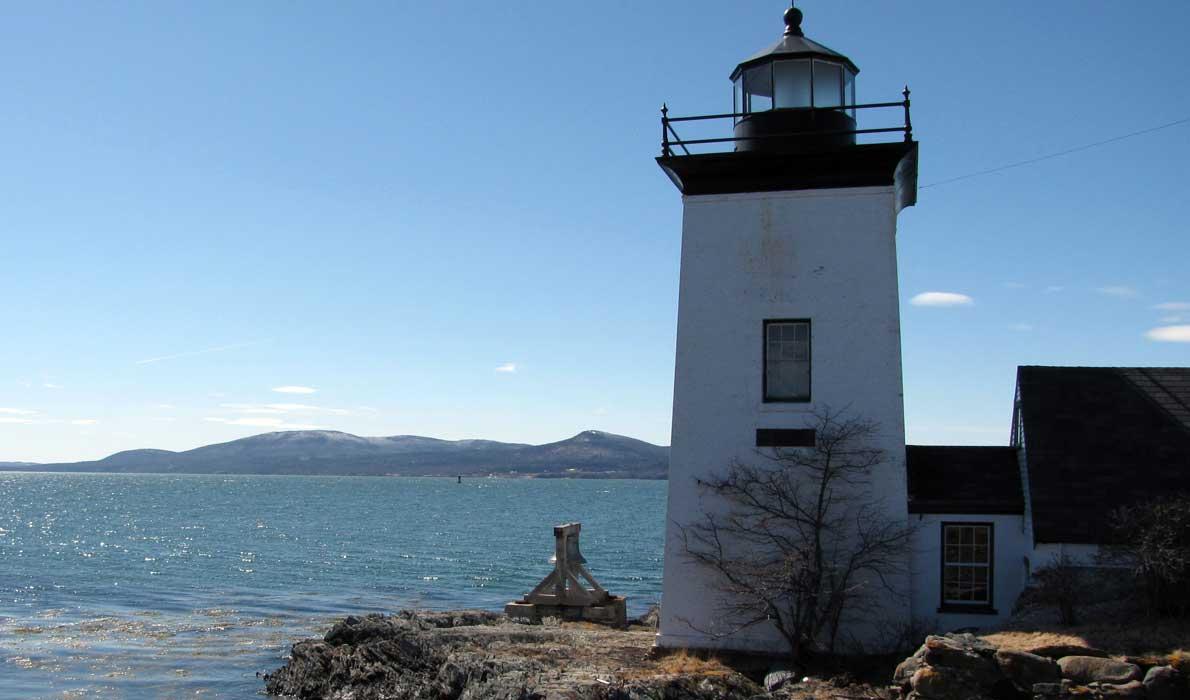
<point x="1154" y="638"/>
<point x="692" y="663"/>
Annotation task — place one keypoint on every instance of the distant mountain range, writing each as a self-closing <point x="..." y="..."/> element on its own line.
<point x="590" y="454"/>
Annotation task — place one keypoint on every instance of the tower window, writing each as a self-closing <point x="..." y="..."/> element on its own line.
<point x="786" y="361"/>
<point x="966" y="565"/>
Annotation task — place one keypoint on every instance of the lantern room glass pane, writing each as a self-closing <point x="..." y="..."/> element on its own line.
<point x="849" y="91"/>
<point x="791" y="80"/>
<point x="737" y="96"/>
<point x="758" y="89"/>
<point x="828" y="84"/>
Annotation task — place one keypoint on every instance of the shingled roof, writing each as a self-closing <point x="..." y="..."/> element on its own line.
<point x="964" y="480"/>
<point x="1099" y="437"/>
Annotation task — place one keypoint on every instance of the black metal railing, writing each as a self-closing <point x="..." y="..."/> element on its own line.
<point x="670" y="139"/>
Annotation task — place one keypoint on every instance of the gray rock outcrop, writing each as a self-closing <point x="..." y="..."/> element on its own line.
<point x="471" y="655"/>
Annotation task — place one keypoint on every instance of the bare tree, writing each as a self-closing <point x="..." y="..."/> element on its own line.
<point x="1152" y="538"/>
<point x="802" y="539"/>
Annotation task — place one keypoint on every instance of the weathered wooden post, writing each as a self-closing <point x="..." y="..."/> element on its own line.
<point x="562" y="593"/>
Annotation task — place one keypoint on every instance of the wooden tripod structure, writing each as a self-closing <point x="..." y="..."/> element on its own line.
<point x="562" y="593"/>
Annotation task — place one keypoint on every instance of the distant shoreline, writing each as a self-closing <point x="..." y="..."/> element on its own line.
<point x="446" y="477"/>
<point x="591" y="454"/>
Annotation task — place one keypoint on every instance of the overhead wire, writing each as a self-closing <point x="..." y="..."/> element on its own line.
<point x="1057" y="154"/>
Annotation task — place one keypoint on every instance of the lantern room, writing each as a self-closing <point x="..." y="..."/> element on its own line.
<point x="796" y="95"/>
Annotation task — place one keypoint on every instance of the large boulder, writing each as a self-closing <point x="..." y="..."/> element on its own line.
<point x="966" y="653"/>
<point x="1166" y="683"/>
<point x="1026" y="670"/>
<point x="950" y="667"/>
<point x="940" y="683"/>
<point x="905" y="670"/>
<point x="1093" y="669"/>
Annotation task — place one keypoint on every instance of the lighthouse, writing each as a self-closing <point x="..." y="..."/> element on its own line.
<point x="788" y="300"/>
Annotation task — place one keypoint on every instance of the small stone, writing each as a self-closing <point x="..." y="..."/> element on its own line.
<point x="1166" y="683"/>
<point x="1047" y="689"/>
<point x="650" y="618"/>
<point x="1132" y="690"/>
<point x="1093" y="669"/>
<point x="780" y="678"/>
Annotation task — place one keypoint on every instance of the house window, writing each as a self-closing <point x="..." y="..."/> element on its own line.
<point x="786" y="360"/>
<point x="966" y="564"/>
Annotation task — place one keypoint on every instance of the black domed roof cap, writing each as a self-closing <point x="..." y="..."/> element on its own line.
<point x="794" y="45"/>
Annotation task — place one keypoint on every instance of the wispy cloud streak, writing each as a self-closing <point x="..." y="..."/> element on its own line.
<point x="1120" y="291"/>
<point x="291" y="389"/>
<point x="204" y="351"/>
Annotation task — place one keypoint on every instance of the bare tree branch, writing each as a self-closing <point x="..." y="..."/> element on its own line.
<point x="804" y="539"/>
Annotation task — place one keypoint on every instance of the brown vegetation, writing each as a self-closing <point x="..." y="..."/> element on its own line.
<point x="1160" y="638"/>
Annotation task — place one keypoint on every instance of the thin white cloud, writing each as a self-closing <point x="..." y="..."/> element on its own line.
<point x="1022" y="327"/>
<point x="9" y="420"/>
<point x="253" y="422"/>
<point x="274" y="423"/>
<point x="250" y="408"/>
<point x="941" y="299"/>
<point x="1053" y="288"/>
<point x="163" y="419"/>
<point x="293" y="389"/>
<point x="282" y="408"/>
<point x="17" y="411"/>
<point x="1173" y="306"/>
<point x="84" y="421"/>
<point x="1170" y="334"/>
<point x="51" y="385"/>
<point x="1173" y="319"/>
<point x="204" y="351"/>
<point x="507" y="368"/>
<point x="1120" y="291"/>
<point x="1015" y="285"/>
<point x="166" y="406"/>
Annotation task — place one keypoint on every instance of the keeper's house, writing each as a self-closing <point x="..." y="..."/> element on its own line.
<point x="1085" y="440"/>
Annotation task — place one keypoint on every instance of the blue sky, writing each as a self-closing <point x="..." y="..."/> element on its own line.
<point x="445" y="219"/>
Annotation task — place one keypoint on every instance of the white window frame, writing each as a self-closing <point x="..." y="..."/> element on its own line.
<point x="988" y="564"/>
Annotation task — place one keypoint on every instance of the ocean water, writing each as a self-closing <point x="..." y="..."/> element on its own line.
<point x="161" y="586"/>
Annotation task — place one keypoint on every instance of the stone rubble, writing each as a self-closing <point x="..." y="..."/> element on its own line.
<point x="965" y="667"/>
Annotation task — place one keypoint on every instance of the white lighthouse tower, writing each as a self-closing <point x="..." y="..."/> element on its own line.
<point x="788" y="297"/>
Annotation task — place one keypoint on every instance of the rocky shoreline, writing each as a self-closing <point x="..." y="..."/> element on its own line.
<point x="472" y="654"/>
<point x="466" y="655"/>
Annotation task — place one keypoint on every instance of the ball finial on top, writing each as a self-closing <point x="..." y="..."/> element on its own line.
<point x="793" y="21"/>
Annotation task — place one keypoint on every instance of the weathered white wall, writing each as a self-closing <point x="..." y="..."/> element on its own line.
<point x="1009" y="572"/>
<point x="825" y="255"/>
